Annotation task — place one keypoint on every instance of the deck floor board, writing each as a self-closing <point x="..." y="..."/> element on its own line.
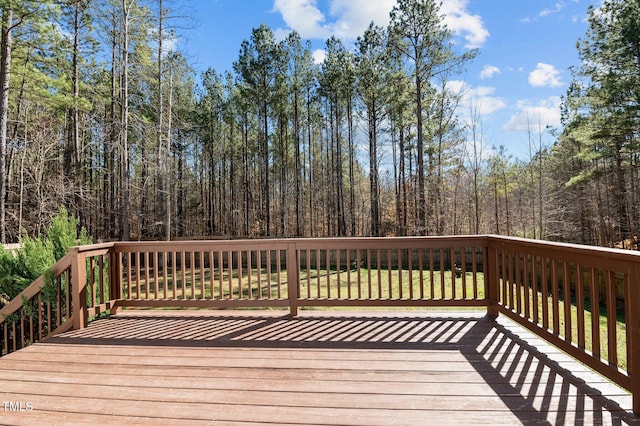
<point x="321" y="368"/>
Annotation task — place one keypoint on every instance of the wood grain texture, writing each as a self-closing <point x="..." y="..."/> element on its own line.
<point x="321" y="368"/>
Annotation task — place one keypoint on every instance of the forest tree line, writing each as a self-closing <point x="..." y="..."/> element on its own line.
<point x="100" y="115"/>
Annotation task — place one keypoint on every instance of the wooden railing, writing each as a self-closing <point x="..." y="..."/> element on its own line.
<point x="78" y="286"/>
<point x="304" y="272"/>
<point x="584" y="300"/>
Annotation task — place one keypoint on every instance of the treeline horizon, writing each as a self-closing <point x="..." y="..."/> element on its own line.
<point x="102" y="119"/>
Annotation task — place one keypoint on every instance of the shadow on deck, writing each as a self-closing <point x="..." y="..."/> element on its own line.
<point x="319" y="368"/>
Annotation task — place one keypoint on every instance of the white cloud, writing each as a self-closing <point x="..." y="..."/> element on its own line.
<point x="319" y="56"/>
<point x="535" y="117"/>
<point x="354" y="16"/>
<point x="488" y="71"/>
<point x="545" y="75"/>
<point x="461" y="22"/>
<point x="558" y="7"/>
<point x="481" y="99"/>
<point x="348" y="19"/>
<point x="303" y="16"/>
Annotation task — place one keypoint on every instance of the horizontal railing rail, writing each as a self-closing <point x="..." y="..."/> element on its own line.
<point x="582" y="299"/>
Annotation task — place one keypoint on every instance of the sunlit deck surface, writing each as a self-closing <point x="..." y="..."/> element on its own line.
<point x="321" y="368"/>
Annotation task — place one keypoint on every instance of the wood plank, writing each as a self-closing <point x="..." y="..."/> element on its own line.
<point x="323" y="368"/>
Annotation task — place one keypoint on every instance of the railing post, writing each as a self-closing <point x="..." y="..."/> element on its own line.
<point x="491" y="280"/>
<point x="633" y="333"/>
<point x="115" y="278"/>
<point x="292" y="278"/>
<point x="79" y="288"/>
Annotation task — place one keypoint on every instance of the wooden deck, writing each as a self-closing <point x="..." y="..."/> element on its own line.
<point x="321" y="368"/>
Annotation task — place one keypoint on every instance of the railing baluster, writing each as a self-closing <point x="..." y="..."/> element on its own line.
<point x="580" y="305"/>
<point x="421" y="274"/>
<point x="526" y="285"/>
<point x="147" y="280"/>
<point x="230" y="273"/>
<point x="518" y="282"/>
<point x="452" y="263"/>
<point x="5" y="338"/>
<point x="279" y="275"/>
<point x="595" y="314"/>
<point x="156" y="272"/>
<point x="612" y="329"/>
<point x="14" y="336"/>
<point x="31" y="326"/>
<point x="91" y="283"/>
<point x="293" y="279"/>
<point x="432" y="284"/>
<point x="389" y="270"/>
<point x="400" y="271"/>
<point x="318" y="283"/>
<point x="463" y="267"/>
<point x="103" y="298"/>
<point x="67" y="308"/>
<point x="183" y="274"/>
<point x="442" y="278"/>
<point x="203" y="294"/>
<point x="327" y="267"/>
<point x="474" y="269"/>
<point x="338" y="253"/>
<point x="358" y="271"/>
<point x="269" y="284"/>
<point x="192" y="269"/>
<point x="545" y="293"/>
<point x="250" y="273"/>
<point x="40" y="307"/>
<point x="174" y="273"/>
<point x="510" y="279"/>
<point x="410" y="267"/>
<point x="534" y="289"/>
<point x="59" y="300"/>
<point x="348" y="260"/>
<point x="308" y="265"/>
<point x="259" y="270"/>
<point x="21" y="329"/>
<point x="555" y="298"/>
<point x="379" y="270"/>
<point x="566" y="287"/>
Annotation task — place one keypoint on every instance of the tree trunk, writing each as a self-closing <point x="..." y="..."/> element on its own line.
<point x="124" y="148"/>
<point x="373" y="172"/>
<point x="160" y="130"/>
<point x="266" y="191"/>
<point x="5" y="71"/>
<point x="422" y="226"/>
<point x="298" y="191"/>
<point x="76" y="113"/>
<point x="167" y="163"/>
<point x="352" y="180"/>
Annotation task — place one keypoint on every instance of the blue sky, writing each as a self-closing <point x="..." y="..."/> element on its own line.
<point x="525" y="50"/>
